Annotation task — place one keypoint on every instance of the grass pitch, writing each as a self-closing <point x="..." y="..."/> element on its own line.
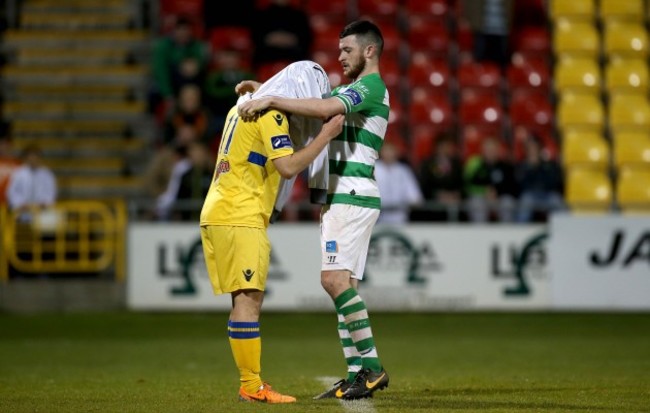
<point x="504" y="362"/>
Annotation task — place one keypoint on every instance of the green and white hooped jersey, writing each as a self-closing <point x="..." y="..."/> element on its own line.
<point x="353" y="153"/>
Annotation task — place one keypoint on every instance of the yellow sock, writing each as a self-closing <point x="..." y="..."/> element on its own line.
<point x="246" y="346"/>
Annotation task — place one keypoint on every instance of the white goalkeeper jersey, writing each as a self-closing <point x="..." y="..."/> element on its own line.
<point x="352" y="155"/>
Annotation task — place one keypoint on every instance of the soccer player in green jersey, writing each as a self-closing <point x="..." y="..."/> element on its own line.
<point x="353" y="201"/>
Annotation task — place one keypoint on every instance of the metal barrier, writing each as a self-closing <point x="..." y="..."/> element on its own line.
<point x="72" y="237"/>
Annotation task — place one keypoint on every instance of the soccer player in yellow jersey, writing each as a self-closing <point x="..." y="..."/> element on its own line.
<point x="252" y="157"/>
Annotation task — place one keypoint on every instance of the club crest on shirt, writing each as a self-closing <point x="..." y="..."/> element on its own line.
<point x="281" y="141"/>
<point x="331" y="246"/>
<point x="222" y="167"/>
<point x="278" y="119"/>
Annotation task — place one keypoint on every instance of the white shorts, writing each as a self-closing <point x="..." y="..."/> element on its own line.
<point x="345" y="232"/>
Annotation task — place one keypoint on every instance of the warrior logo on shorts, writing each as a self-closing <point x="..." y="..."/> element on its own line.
<point x="248" y="274"/>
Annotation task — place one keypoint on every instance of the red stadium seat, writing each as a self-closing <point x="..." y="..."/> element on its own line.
<point x="528" y="73"/>
<point x="481" y="109"/>
<point x="378" y="8"/>
<point x="435" y="9"/>
<point x="267" y="70"/>
<point x="479" y="77"/>
<point x="472" y="137"/>
<point x="423" y="137"/>
<point x="231" y="37"/>
<point x="326" y="39"/>
<point x="464" y="36"/>
<point x="170" y="10"/>
<point x="329" y="7"/>
<point x="533" y="40"/>
<point x="391" y="73"/>
<point x="533" y="111"/>
<point x="433" y="73"/>
<point x="427" y="107"/>
<point x="334" y="72"/>
<point x="426" y="36"/>
<point x="520" y="134"/>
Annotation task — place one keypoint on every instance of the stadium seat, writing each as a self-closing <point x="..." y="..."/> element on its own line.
<point x="584" y="111"/>
<point x="526" y="73"/>
<point x="334" y="72"/>
<point x="583" y="148"/>
<point x="626" y="39"/>
<point x="633" y="190"/>
<point x="627" y="75"/>
<point x="532" y="110"/>
<point x="472" y="137"/>
<point x="425" y="36"/>
<point x="382" y="12"/>
<point x="170" y="10"/>
<point x="630" y="10"/>
<point x="433" y="73"/>
<point x="521" y="134"/>
<point x="426" y="107"/>
<point x="325" y="39"/>
<point x="534" y="40"/>
<point x="329" y="7"/>
<point x="423" y="137"/>
<point x="588" y="190"/>
<point x="434" y="9"/>
<point x="464" y="36"/>
<point x="231" y="37"/>
<point x="575" y="38"/>
<point x="577" y="74"/>
<point x="476" y="76"/>
<point x="631" y="148"/>
<point x="575" y="9"/>
<point x="628" y="112"/>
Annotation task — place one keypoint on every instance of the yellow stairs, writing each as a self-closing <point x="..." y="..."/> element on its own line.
<point x="76" y="84"/>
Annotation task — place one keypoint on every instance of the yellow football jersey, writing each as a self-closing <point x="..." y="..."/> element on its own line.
<point x="245" y="182"/>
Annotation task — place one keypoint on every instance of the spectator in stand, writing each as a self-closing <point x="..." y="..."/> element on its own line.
<point x="490" y="184"/>
<point x="8" y="164"/>
<point x="195" y="182"/>
<point x="32" y="185"/>
<point x="159" y="170"/>
<point x="191" y="111"/>
<point x="178" y="59"/>
<point x="491" y="22"/>
<point x="227" y="71"/>
<point x="281" y="32"/>
<point x="398" y="186"/>
<point x="541" y="183"/>
<point x="441" y="175"/>
<point x="181" y="163"/>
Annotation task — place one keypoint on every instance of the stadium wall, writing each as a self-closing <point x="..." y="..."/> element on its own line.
<point x="589" y="263"/>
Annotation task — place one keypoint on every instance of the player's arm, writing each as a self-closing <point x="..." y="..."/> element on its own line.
<point x="247" y="86"/>
<point x="290" y="165"/>
<point x="310" y="107"/>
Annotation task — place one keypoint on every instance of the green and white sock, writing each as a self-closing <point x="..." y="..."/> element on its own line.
<point x="352" y="356"/>
<point x="351" y="306"/>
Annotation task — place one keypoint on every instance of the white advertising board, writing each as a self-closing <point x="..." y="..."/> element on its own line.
<point x="600" y="262"/>
<point x="418" y="267"/>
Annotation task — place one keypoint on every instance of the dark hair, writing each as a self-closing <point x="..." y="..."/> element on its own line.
<point x="30" y="149"/>
<point x="367" y="30"/>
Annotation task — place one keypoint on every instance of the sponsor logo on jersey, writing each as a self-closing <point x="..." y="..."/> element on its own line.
<point x="354" y="96"/>
<point x="282" y="141"/>
<point x="331" y="246"/>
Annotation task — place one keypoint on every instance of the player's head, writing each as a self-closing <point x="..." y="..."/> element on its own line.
<point x="360" y="42"/>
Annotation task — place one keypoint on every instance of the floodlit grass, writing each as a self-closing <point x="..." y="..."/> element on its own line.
<point x="126" y="362"/>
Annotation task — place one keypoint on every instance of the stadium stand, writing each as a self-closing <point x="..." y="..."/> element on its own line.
<point x="588" y="190"/>
<point x="633" y="189"/>
<point x="75" y="85"/>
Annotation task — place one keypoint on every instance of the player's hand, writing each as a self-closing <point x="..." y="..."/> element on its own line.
<point x="333" y="126"/>
<point x="249" y="109"/>
<point x="247" y="86"/>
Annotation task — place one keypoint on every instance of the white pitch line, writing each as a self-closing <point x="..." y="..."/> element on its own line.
<point x="360" y="406"/>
